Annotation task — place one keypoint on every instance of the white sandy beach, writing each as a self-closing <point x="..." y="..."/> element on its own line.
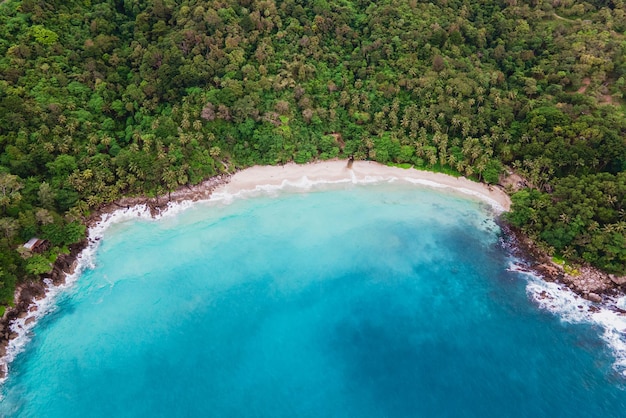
<point x="337" y="171"/>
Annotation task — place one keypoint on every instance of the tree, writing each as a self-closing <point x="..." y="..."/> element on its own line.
<point x="38" y="264"/>
<point x="46" y="195"/>
<point x="9" y="227"/>
<point x="44" y="36"/>
<point x="10" y="185"/>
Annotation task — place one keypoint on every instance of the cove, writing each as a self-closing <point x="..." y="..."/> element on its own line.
<point x="369" y="301"/>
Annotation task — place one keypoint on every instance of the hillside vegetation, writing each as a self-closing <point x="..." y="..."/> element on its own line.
<point x="103" y="99"/>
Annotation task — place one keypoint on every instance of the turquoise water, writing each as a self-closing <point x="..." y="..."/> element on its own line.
<point x="378" y="301"/>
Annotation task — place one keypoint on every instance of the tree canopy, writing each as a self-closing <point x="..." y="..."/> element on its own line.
<point x="105" y="98"/>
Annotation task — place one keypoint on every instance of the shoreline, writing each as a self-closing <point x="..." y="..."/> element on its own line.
<point x="34" y="299"/>
<point x="260" y="178"/>
<point x="587" y="282"/>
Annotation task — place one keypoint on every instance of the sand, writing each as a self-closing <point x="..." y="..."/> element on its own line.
<point x="337" y="171"/>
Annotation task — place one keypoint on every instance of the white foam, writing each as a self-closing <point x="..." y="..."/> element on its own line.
<point x="304" y="183"/>
<point x="571" y="308"/>
<point x="498" y="207"/>
<point x="86" y="259"/>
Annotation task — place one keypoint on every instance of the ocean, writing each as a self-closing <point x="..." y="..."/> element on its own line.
<point x="385" y="300"/>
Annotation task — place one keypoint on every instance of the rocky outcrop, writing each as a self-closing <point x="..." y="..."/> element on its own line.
<point x="594" y="297"/>
<point x="620" y="281"/>
<point x="24" y="295"/>
<point x="588" y="282"/>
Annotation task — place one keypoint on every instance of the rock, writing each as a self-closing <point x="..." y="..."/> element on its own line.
<point x="594" y="297"/>
<point x="29" y="320"/>
<point x="618" y="280"/>
<point x="22" y="315"/>
<point x="618" y="310"/>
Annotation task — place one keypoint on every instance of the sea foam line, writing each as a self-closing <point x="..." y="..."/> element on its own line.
<point x="497" y="206"/>
<point x="304" y="183"/>
<point x="87" y="258"/>
<point x="572" y="308"/>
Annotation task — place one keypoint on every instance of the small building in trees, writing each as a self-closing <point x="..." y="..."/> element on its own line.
<point x="37" y="245"/>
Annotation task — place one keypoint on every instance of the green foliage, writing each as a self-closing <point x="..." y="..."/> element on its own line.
<point x="401" y="165"/>
<point x="100" y="100"/>
<point x="583" y="219"/>
<point x="492" y="172"/>
<point x="63" y="234"/>
<point x="38" y="264"/>
<point x="7" y="289"/>
<point x="44" y="36"/>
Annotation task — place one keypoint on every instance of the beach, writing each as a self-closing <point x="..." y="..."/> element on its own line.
<point x="337" y="171"/>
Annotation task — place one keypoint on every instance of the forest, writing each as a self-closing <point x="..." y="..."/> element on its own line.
<point x="101" y="99"/>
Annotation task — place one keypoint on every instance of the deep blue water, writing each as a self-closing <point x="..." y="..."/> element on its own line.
<point x="378" y="301"/>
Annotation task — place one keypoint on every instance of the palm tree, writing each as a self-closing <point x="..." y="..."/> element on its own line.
<point x="609" y="228"/>
<point x="451" y="160"/>
<point x="432" y="159"/>
<point x="569" y="252"/>
<point x="480" y="167"/>
<point x="170" y="178"/>
<point x="611" y="200"/>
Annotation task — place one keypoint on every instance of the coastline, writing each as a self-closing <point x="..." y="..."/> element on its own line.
<point x="34" y="299"/>
<point x="259" y="178"/>
<point x="587" y="282"/>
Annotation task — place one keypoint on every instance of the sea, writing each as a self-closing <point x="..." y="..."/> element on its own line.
<point x="344" y="300"/>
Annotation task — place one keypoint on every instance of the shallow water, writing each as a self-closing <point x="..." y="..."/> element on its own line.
<point x="385" y="300"/>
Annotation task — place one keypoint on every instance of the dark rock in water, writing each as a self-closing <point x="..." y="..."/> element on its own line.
<point x="594" y="297"/>
<point x="618" y="310"/>
<point x="29" y="320"/>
